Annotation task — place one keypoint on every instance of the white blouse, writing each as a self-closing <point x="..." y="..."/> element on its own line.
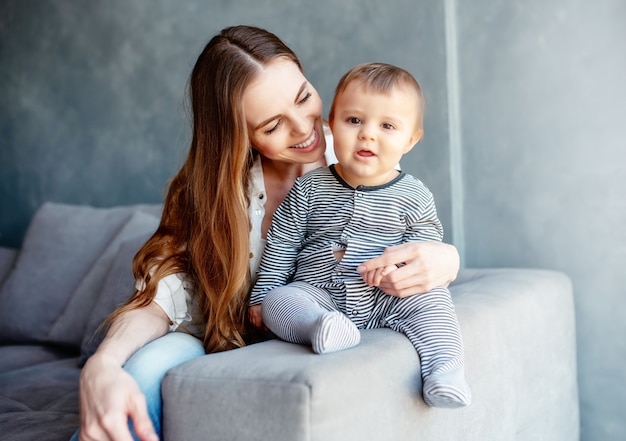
<point x="175" y="295"/>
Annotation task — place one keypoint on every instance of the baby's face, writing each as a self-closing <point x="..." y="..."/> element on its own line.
<point x="372" y="131"/>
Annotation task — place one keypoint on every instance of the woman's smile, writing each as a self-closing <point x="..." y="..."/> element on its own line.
<point x="309" y="142"/>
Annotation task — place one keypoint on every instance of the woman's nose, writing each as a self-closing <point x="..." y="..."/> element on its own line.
<point x="301" y="124"/>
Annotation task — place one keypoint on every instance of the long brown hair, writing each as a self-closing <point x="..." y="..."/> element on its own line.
<point x="204" y="230"/>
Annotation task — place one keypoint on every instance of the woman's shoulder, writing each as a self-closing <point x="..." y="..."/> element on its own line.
<point x="330" y="150"/>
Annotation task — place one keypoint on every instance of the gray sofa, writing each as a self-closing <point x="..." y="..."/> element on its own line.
<point x="74" y="267"/>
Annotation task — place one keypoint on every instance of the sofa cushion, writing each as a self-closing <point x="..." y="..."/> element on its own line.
<point x="116" y="289"/>
<point x="40" y="402"/>
<point x="69" y="327"/>
<point x="7" y="259"/>
<point x="14" y="357"/>
<point x="61" y="245"/>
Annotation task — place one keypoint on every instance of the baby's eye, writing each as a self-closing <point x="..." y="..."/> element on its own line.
<point x="354" y="120"/>
<point x="388" y="126"/>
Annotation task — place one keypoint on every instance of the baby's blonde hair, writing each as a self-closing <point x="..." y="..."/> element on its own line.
<point x="381" y="78"/>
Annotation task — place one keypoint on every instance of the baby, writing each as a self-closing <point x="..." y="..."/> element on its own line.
<point x="309" y="289"/>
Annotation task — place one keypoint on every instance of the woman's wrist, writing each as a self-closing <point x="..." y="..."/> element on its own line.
<point x="108" y="355"/>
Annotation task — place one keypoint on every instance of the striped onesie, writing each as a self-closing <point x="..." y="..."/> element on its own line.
<point x="321" y="232"/>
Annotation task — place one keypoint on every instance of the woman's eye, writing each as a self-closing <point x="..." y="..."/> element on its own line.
<point x="305" y="99"/>
<point x="273" y="129"/>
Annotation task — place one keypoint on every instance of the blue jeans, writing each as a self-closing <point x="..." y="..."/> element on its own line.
<point x="148" y="367"/>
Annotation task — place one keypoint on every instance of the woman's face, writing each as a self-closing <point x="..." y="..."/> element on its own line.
<point x="283" y="112"/>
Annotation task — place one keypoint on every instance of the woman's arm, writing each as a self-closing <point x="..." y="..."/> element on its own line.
<point x="108" y="394"/>
<point x="422" y="266"/>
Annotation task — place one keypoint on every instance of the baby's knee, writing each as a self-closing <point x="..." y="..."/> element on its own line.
<point x="275" y="296"/>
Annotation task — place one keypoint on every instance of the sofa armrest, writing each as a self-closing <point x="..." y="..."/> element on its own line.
<point x="519" y="335"/>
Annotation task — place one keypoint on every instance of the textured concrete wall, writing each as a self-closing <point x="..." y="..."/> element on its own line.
<point x="92" y="95"/>
<point x="544" y="147"/>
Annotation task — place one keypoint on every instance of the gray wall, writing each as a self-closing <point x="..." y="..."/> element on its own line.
<point x="524" y="142"/>
<point x="92" y="98"/>
<point x="543" y="102"/>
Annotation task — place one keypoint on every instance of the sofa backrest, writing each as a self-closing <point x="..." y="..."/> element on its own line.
<point x="71" y="256"/>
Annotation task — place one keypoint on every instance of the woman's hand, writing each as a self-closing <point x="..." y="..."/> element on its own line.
<point x="412" y="268"/>
<point x="255" y="316"/>
<point x="108" y="397"/>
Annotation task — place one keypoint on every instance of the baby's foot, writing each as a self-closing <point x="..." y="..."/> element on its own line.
<point x="334" y="332"/>
<point x="447" y="389"/>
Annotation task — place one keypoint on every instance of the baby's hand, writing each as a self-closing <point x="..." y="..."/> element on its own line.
<point x="255" y="316"/>
<point x="373" y="277"/>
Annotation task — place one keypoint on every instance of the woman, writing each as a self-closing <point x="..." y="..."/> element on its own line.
<point x="257" y="126"/>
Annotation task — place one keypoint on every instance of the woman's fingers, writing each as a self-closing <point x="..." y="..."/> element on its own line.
<point x="108" y="397"/>
<point x="255" y="316"/>
<point x="137" y="411"/>
<point x="421" y="266"/>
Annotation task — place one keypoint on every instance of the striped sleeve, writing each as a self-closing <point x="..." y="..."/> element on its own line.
<point x="285" y="239"/>
<point x="422" y="223"/>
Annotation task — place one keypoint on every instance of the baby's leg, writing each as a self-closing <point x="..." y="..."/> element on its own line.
<point x="301" y="313"/>
<point x="430" y="323"/>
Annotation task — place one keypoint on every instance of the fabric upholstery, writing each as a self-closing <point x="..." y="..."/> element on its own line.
<point x="7" y="259"/>
<point x="14" y="357"/>
<point x="116" y="289"/>
<point x="70" y="326"/>
<point x="61" y="245"/>
<point x="39" y="402"/>
<point x="518" y="328"/>
<point x="75" y="268"/>
<point x="39" y="370"/>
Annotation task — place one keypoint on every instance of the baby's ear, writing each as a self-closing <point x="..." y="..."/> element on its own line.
<point x="417" y="135"/>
